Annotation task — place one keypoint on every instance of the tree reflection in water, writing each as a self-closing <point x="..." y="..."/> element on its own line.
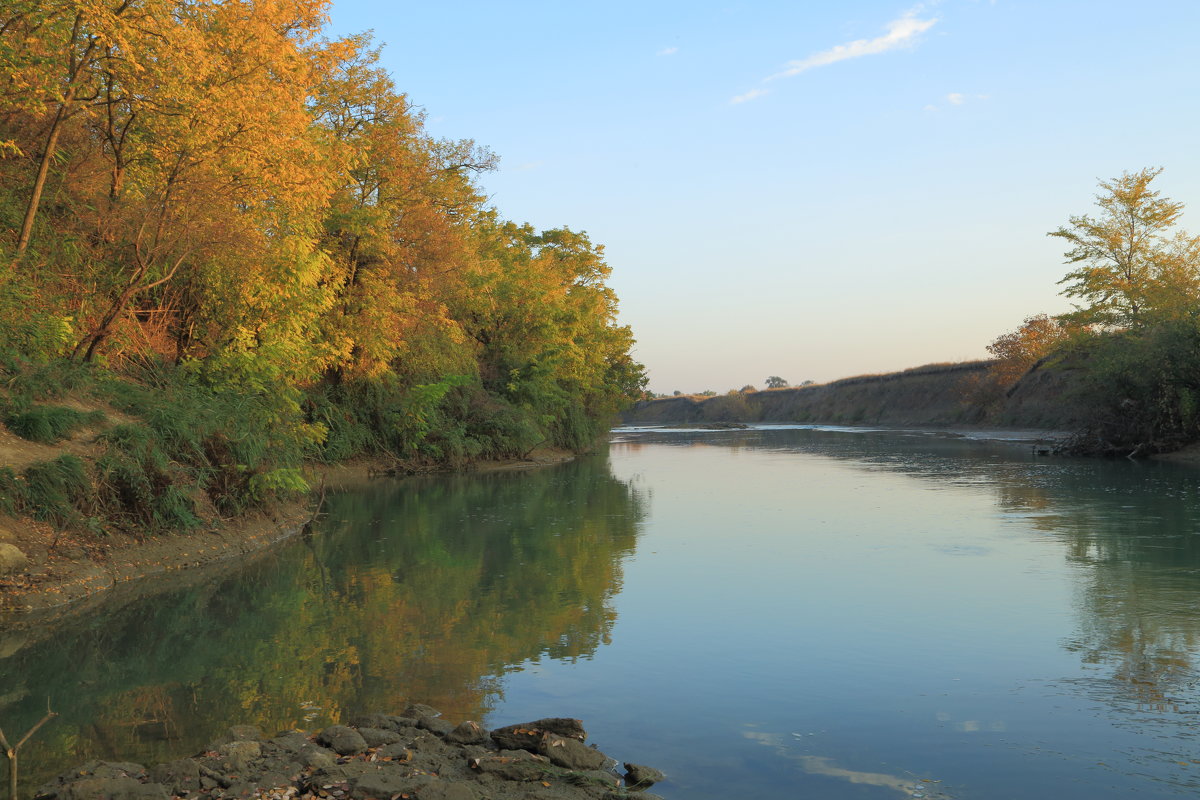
<point x="424" y="589"/>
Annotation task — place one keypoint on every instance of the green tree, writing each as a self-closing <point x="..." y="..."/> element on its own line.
<point x="1129" y="262"/>
<point x="775" y="382"/>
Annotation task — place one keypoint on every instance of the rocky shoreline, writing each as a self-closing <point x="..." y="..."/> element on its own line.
<point x="415" y="755"/>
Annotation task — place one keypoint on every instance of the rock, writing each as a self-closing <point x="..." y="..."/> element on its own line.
<point x="376" y="737"/>
<point x="528" y="735"/>
<point x="211" y="778"/>
<point x="11" y="559"/>
<point x="596" y="777"/>
<point x="235" y="757"/>
<point x="291" y="741"/>
<point x="571" y="753"/>
<point x="109" y="789"/>
<point x="398" y="751"/>
<point x="303" y="751"/>
<point x="641" y="776"/>
<point x="387" y="783"/>
<point x="518" y="737"/>
<point x="360" y="721"/>
<point x="110" y="769"/>
<point x="362" y="779"/>
<point x="418" y="710"/>
<point x="467" y="733"/>
<point x="342" y="740"/>
<point x="271" y="780"/>
<point x="437" y="726"/>
<point x="447" y="791"/>
<point x="512" y="765"/>
<point x="435" y="761"/>
<point x="177" y="776"/>
<point x="341" y="773"/>
<point x="563" y="726"/>
<point x="245" y="733"/>
<point x="470" y="751"/>
<point x="239" y="789"/>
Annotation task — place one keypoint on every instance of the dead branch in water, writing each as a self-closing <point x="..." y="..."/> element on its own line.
<point x="11" y="751"/>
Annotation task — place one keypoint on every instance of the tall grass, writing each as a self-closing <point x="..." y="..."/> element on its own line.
<point x="50" y="424"/>
<point x="57" y="491"/>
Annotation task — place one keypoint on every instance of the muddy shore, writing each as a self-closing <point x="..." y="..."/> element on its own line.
<point x="415" y="755"/>
<point x="74" y="568"/>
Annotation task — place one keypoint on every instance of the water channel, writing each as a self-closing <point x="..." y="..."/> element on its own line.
<point x="768" y="613"/>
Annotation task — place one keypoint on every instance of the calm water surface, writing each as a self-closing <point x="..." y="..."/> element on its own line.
<point x="768" y="613"/>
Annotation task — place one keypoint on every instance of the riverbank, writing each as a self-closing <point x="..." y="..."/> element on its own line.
<point x="416" y="755"/>
<point x="69" y="567"/>
<point x="934" y="395"/>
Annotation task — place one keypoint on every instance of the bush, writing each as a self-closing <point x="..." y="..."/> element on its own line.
<point x="1143" y="387"/>
<point x="135" y="481"/>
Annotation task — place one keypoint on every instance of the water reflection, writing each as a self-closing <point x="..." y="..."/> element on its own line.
<point x="908" y="785"/>
<point x="424" y="589"/>
<point x="1129" y="534"/>
<point x="916" y="608"/>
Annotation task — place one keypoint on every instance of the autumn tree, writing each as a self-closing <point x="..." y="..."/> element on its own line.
<point x="1129" y="261"/>
<point x="398" y="225"/>
<point x="544" y="321"/>
<point x="49" y="52"/>
<point x="1018" y="350"/>
<point x="263" y="209"/>
<point x="211" y="160"/>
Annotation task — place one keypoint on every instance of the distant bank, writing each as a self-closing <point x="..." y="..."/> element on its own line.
<point x="935" y="394"/>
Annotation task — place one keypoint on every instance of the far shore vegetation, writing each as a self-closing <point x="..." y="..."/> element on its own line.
<point x="1131" y="344"/>
<point x="1134" y="333"/>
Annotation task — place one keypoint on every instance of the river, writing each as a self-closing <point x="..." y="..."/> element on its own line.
<point x="775" y="612"/>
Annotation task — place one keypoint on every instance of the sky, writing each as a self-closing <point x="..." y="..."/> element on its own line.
<point x="811" y="189"/>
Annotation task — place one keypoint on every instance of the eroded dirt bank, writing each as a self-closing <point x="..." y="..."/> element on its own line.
<point x="935" y="395"/>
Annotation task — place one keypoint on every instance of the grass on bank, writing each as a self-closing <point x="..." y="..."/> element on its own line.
<point x="196" y="447"/>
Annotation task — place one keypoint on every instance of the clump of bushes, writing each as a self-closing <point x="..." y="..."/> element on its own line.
<point x="136" y="481"/>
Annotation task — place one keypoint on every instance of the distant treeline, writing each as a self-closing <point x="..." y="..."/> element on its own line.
<point x="215" y="202"/>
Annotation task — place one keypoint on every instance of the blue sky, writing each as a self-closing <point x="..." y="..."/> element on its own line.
<point x="808" y="189"/>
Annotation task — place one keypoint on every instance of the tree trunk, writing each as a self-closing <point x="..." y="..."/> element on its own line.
<point x="76" y="64"/>
<point x="39" y="183"/>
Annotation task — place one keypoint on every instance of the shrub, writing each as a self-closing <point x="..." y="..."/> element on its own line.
<point x="1143" y="389"/>
<point x="136" y="480"/>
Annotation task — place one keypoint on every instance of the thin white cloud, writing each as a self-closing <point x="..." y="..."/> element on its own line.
<point x="901" y="32"/>
<point x="750" y="95"/>
<point x="931" y="108"/>
<point x="668" y="51"/>
<point x="958" y="98"/>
